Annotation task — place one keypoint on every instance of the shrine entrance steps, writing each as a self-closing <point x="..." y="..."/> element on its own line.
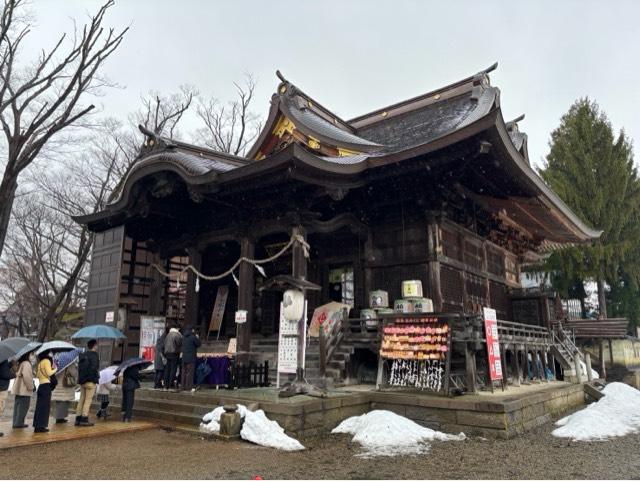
<point x="503" y="414"/>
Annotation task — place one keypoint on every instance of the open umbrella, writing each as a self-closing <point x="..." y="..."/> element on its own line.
<point x="107" y="374"/>
<point x="134" y="361"/>
<point x="28" y="348"/>
<point x="55" y="346"/>
<point x="10" y="346"/>
<point x="99" y="331"/>
<point x="64" y="359"/>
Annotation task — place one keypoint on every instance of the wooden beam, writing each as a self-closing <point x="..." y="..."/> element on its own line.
<point x="193" y="297"/>
<point x="245" y="298"/>
<point x="433" y="266"/>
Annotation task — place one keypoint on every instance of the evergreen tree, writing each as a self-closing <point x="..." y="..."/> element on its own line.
<point x="593" y="171"/>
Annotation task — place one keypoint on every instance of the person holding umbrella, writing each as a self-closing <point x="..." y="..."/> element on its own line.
<point x="88" y="378"/>
<point x="6" y="375"/>
<point x="67" y="375"/>
<point x="45" y="373"/>
<point x="130" y="370"/>
<point x="105" y="386"/>
<point x="23" y="388"/>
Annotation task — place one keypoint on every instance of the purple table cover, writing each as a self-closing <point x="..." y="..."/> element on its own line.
<point x="219" y="370"/>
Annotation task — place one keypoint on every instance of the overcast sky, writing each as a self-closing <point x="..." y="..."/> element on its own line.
<point x="356" y="56"/>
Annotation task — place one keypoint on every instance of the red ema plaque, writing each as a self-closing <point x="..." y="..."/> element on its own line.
<point x="493" y="344"/>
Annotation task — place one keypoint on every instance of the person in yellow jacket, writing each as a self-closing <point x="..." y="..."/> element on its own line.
<point x="44" y="372"/>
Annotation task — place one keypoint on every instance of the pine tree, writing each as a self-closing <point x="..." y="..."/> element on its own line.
<point x="593" y="171"/>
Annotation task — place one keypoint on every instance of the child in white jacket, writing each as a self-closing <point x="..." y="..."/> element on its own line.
<point x="103" y="397"/>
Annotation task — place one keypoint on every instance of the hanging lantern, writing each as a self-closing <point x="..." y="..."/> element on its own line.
<point x="293" y="303"/>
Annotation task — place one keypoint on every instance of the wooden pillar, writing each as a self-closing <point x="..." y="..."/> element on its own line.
<point x="433" y="265"/>
<point x="611" y="352"/>
<point x="368" y="271"/>
<point x="470" y="366"/>
<point x="299" y="267"/>
<point x="553" y="366"/>
<point x="517" y="370"/>
<point x="603" y="369"/>
<point x="587" y="361"/>
<point x="245" y="298"/>
<point x="527" y="363"/>
<point x="156" y="287"/>
<point x="543" y="359"/>
<point x="577" y="367"/>
<point x="191" y="314"/>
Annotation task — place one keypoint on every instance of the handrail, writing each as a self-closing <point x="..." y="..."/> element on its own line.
<point x="329" y="342"/>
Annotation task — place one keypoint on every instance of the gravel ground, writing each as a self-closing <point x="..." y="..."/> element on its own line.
<point x="159" y="454"/>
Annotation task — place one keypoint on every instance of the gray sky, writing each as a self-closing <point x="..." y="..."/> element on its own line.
<point x="356" y="56"/>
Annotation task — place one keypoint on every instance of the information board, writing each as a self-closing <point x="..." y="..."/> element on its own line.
<point x="151" y="328"/>
<point x="288" y="343"/>
<point x="493" y="343"/>
<point x="218" y="309"/>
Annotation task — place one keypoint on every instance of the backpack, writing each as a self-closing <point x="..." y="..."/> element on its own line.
<point x="70" y="378"/>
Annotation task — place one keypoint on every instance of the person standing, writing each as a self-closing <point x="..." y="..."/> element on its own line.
<point x="103" y="397"/>
<point x="172" y="348"/>
<point x="65" y="392"/>
<point x="159" y="360"/>
<point x="44" y="373"/>
<point x="22" y="390"/>
<point x="131" y="382"/>
<point x="88" y="378"/>
<point x="190" y="344"/>
<point x="6" y="375"/>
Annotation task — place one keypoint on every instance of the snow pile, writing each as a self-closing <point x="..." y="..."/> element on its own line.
<point x="594" y="373"/>
<point x="384" y="433"/>
<point x="616" y="414"/>
<point x="257" y="429"/>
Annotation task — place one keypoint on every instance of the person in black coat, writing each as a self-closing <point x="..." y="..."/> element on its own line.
<point x="88" y="378"/>
<point x="190" y="344"/>
<point x="6" y="375"/>
<point x="131" y="382"/>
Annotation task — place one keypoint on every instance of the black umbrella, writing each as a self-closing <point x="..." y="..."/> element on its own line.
<point x="134" y="361"/>
<point x="10" y="346"/>
<point x="27" y="349"/>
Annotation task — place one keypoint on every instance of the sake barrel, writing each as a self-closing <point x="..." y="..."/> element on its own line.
<point x="378" y="299"/>
<point x="371" y="317"/>
<point x="422" y="304"/>
<point x="403" y="305"/>
<point x="411" y="289"/>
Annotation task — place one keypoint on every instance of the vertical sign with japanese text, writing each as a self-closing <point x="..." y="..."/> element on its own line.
<point x="493" y="343"/>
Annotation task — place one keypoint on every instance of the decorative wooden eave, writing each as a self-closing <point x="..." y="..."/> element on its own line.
<point x="294" y="117"/>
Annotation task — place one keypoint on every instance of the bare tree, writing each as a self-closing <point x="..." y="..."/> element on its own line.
<point x="39" y="101"/>
<point x="229" y="127"/>
<point x="85" y="183"/>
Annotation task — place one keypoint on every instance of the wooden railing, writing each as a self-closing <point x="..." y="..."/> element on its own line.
<point x="357" y="331"/>
<point x="515" y="332"/>
<point x="328" y="344"/>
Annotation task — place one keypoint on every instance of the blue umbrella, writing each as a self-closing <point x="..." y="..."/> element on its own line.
<point x="134" y="361"/>
<point x="64" y="359"/>
<point x="98" y="331"/>
<point x="55" y="346"/>
<point x="28" y="348"/>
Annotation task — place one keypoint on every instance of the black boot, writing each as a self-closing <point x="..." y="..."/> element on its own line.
<point x="78" y="420"/>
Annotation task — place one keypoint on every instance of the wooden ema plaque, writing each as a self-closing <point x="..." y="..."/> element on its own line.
<point x="415" y="351"/>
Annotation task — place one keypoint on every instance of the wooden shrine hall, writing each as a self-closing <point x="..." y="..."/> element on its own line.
<point x="437" y="188"/>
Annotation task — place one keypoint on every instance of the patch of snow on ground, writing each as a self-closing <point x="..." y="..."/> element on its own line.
<point x="384" y="433"/>
<point x="616" y="414"/>
<point x="594" y="373"/>
<point x="257" y="429"/>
